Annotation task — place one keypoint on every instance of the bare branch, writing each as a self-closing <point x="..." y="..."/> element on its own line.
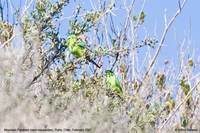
<point x="180" y="104"/>
<point x="1" y="10"/>
<point x="163" y="39"/>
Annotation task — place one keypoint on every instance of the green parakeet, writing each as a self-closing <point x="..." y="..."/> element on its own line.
<point x="77" y="46"/>
<point x="113" y="82"/>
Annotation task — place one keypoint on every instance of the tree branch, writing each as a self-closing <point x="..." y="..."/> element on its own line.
<point x="163" y="39"/>
<point x="180" y="104"/>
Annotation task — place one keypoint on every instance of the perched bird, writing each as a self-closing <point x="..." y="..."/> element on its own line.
<point x="77" y="46"/>
<point x="113" y="82"/>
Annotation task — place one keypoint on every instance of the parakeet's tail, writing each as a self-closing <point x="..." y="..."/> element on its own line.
<point x="93" y="62"/>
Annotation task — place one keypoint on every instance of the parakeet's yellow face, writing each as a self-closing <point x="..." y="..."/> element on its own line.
<point x="71" y="41"/>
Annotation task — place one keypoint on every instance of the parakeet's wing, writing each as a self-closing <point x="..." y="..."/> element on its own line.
<point x="118" y="85"/>
<point x="78" y="51"/>
<point x="71" y="42"/>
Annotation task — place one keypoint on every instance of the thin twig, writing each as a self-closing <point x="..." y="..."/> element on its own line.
<point x="116" y="59"/>
<point x="42" y="71"/>
<point x="7" y="13"/>
<point x="162" y="40"/>
<point x="26" y="8"/>
<point x="6" y="42"/>
<point x="180" y="104"/>
<point x="1" y="10"/>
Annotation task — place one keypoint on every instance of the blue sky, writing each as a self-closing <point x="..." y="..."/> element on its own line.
<point x="188" y="18"/>
<point x="186" y="25"/>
